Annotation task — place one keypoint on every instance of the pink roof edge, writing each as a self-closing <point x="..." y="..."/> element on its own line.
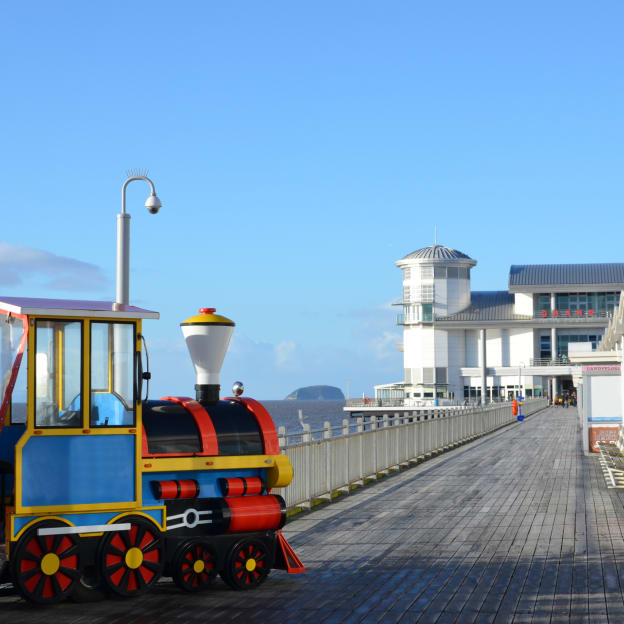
<point x="27" y="304"/>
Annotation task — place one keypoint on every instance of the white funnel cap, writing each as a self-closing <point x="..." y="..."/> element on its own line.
<point x="207" y="337"/>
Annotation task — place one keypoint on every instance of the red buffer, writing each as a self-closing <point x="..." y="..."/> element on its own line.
<point x="285" y="558"/>
<point x="241" y="486"/>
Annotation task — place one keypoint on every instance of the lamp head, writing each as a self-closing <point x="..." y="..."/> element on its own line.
<point x="153" y="204"/>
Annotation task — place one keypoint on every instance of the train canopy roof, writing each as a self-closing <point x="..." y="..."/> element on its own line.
<point x="74" y="307"/>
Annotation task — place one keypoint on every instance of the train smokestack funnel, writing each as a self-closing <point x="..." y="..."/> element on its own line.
<point x="207" y="337"/>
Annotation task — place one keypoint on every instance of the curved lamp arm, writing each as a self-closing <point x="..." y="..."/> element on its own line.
<point x="125" y="184"/>
<point x="123" y="242"/>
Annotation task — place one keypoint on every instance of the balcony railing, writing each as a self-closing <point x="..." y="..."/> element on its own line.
<point x="562" y="361"/>
<point x="406" y="319"/>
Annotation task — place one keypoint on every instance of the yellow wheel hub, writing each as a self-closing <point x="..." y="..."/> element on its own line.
<point x="250" y="564"/>
<point x="134" y="558"/>
<point x="199" y="566"/>
<point x="50" y="564"/>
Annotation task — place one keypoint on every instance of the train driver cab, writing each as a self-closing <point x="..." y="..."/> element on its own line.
<point x="70" y="371"/>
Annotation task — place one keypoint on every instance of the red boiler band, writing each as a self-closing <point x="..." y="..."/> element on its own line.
<point x="255" y="513"/>
<point x="188" y="488"/>
<point x="241" y="486"/>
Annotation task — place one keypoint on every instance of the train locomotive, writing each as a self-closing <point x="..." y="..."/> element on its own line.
<point x="103" y="492"/>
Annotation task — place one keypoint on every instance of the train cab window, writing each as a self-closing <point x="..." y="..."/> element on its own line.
<point x="18" y="398"/>
<point x="12" y="344"/>
<point x="58" y="374"/>
<point x="112" y="374"/>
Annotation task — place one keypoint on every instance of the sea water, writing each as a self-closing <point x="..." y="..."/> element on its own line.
<point x="314" y="413"/>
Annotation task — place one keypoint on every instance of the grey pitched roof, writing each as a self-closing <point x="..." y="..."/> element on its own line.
<point x="491" y="305"/>
<point x="438" y="252"/>
<point x="560" y="274"/>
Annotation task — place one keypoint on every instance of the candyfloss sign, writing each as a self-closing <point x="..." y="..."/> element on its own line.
<point x="602" y="406"/>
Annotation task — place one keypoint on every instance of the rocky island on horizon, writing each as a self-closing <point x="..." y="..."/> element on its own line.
<point x="316" y="393"/>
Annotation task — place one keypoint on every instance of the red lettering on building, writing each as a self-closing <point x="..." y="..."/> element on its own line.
<point x="568" y="313"/>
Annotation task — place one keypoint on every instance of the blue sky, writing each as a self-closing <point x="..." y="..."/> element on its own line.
<point x="299" y="150"/>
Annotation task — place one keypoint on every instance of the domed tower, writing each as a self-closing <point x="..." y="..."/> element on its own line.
<point x="436" y="283"/>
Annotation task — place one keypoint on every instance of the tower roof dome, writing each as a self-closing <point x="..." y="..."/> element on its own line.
<point x="437" y="252"/>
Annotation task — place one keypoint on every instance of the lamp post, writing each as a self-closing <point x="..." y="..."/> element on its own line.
<point x="153" y="205"/>
<point x="519" y="396"/>
<point x="520" y="365"/>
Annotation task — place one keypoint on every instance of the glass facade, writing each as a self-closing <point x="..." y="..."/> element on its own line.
<point x="545" y="348"/>
<point x="600" y="303"/>
<point x="564" y="341"/>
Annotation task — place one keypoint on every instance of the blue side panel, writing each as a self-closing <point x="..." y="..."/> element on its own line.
<point x="86" y="519"/>
<point x="76" y="519"/>
<point x="75" y="470"/>
<point x="207" y="479"/>
<point x="8" y="438"/>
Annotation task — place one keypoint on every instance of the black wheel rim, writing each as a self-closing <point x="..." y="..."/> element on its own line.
<point x="249" y="564"/>
<point x="196" y="567"/>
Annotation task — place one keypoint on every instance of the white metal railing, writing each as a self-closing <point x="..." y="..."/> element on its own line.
<point x="333" y="459"/>
<point x="615" y="329"/>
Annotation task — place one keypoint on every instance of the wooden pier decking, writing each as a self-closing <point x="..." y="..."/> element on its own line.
<point x="515" y="527"/>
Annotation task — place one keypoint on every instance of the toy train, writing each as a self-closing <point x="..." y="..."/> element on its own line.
<point x="103" y="492"/>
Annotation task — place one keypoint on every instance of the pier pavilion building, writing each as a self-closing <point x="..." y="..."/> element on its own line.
<point x="463" y="346"/>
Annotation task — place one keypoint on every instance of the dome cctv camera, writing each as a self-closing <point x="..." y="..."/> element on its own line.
<point x="153" y="204"/>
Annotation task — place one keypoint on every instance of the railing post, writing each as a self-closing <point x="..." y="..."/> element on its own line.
<point x="307" y="439"/>
<point x="360" y="428"/>
<point x="347" y="439"/>
<point x="281" y="436"/>
<point x="373" y="426"/>
<point x="397" y="435"/>
<point x="386" y="438"/>
<point x="327" y="434"/>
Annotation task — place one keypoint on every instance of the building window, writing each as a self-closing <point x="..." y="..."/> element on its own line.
<point x="427" y="312"/>
<point x="545" y="348"/>
<point x="406" y="293"/>
<point x="544" y="303"/>
<point x="426" y="271"/>
<point x="601" y="303"/>
<point x="426" y="292"/>
<point x="439" y="272"/>
<point x="427" y="375"/>
<point x="564" y="341"/>
<point x="441" y="376"/>
<point x="453" y="272"/>
<point x="463" y="273"/>
<point x="466" y="392"/>
<point x="407" y="273"/>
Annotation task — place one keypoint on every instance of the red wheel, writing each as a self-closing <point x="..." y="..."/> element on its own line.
<point x="132" y="561"/>
<point x="247" y="565"/>
<point x="194" y="567"/>
<point x="45" y="568"/>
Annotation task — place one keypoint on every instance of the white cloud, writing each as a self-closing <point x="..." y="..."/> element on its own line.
<point x="19" y="263"/>
<point x="284" y="352"/>
<point x="384" y="346"/>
